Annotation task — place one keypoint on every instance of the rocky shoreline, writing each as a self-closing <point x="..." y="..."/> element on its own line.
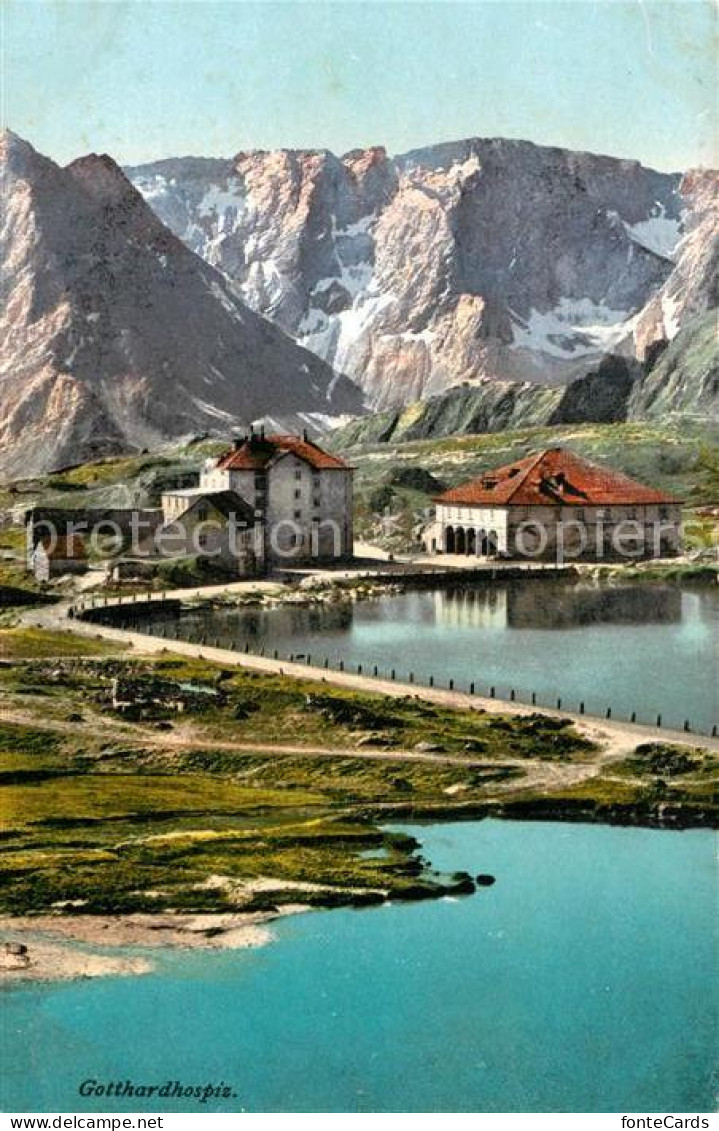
<point x="319" y="590"/>
<point x="38" y="960"/>
<point x="58" y="947"/>
<point x="661" y="815"/>
<point x="312" y="590"/>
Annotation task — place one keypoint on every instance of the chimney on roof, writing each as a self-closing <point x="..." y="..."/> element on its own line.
<point x="262" y="432"/>
<point x="304" y="435"/>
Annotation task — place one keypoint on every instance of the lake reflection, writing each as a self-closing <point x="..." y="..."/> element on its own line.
<point x="641" y="649"/>
<point x="556" y="607"/>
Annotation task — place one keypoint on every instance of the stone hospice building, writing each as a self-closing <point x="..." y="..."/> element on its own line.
<point x="555" y="504"/>
<point x="267" y="500"/>
<point x="300" y="495"/>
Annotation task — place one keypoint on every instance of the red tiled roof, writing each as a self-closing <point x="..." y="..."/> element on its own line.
<point x="555" y="477"/>
<point x="256" y="452"/>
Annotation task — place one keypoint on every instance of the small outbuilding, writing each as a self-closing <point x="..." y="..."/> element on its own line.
<point x="54" y="556"/>
<point x="217" y="525"/>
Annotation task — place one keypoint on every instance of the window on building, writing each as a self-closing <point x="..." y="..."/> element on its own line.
<point x="298" y="493"/>
<point x="298" y="473"/>
<point x="202" y="539"/>
<point x="259" y="481"/>
<point x="316" y="503"/>
<point x="298" y="514"/>
<point x="202" y="513"/>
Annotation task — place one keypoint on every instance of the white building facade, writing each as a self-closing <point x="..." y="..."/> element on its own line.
<point x="301" y="495"/>
<point x="555" y="504"/>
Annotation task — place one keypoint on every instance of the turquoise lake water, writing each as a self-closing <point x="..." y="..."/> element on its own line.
<point x="583" y="980"/>
<point x="645" y="648"/>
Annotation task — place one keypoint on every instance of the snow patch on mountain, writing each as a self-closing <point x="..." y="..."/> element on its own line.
<point x="670" y="311"/>
<point x="154" y="188"/>
<point x="427" y="336"/>
<point x="659" y="233"/>
<point x="227" y="204"/>
<point x="572" y="329"/>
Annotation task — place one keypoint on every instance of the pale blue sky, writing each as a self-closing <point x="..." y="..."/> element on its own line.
<point x="143" y="79"/>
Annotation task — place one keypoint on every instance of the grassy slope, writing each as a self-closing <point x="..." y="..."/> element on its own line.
<point x="117" y="481"/>
<point x="117" y="815"/>
<point x="685" y="377"/>
<point x="37" y="643"/>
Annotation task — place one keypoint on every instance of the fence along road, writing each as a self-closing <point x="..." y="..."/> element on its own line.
<point x="613" y="736"/>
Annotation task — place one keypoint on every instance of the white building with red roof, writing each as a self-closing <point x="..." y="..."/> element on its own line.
<point x="554" y="503"/>
<point x="300" y="493"/>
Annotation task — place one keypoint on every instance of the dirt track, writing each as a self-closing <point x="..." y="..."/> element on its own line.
<point x="613" y="737"/>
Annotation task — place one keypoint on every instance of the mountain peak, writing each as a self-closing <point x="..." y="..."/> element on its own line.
<point x="101" y="175"/>
<point x="114" y="336"/>
<point x="9" y="140"/>
<point x="19" y="157"/>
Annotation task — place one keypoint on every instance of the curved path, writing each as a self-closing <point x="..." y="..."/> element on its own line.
<point x="613" y="736"/>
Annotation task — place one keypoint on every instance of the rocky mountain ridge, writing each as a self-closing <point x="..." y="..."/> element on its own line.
<point x="114" y="336"/>
<point x="474" y="260"/>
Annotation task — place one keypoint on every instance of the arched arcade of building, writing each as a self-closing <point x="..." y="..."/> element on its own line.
<point x="471" y="542"/>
